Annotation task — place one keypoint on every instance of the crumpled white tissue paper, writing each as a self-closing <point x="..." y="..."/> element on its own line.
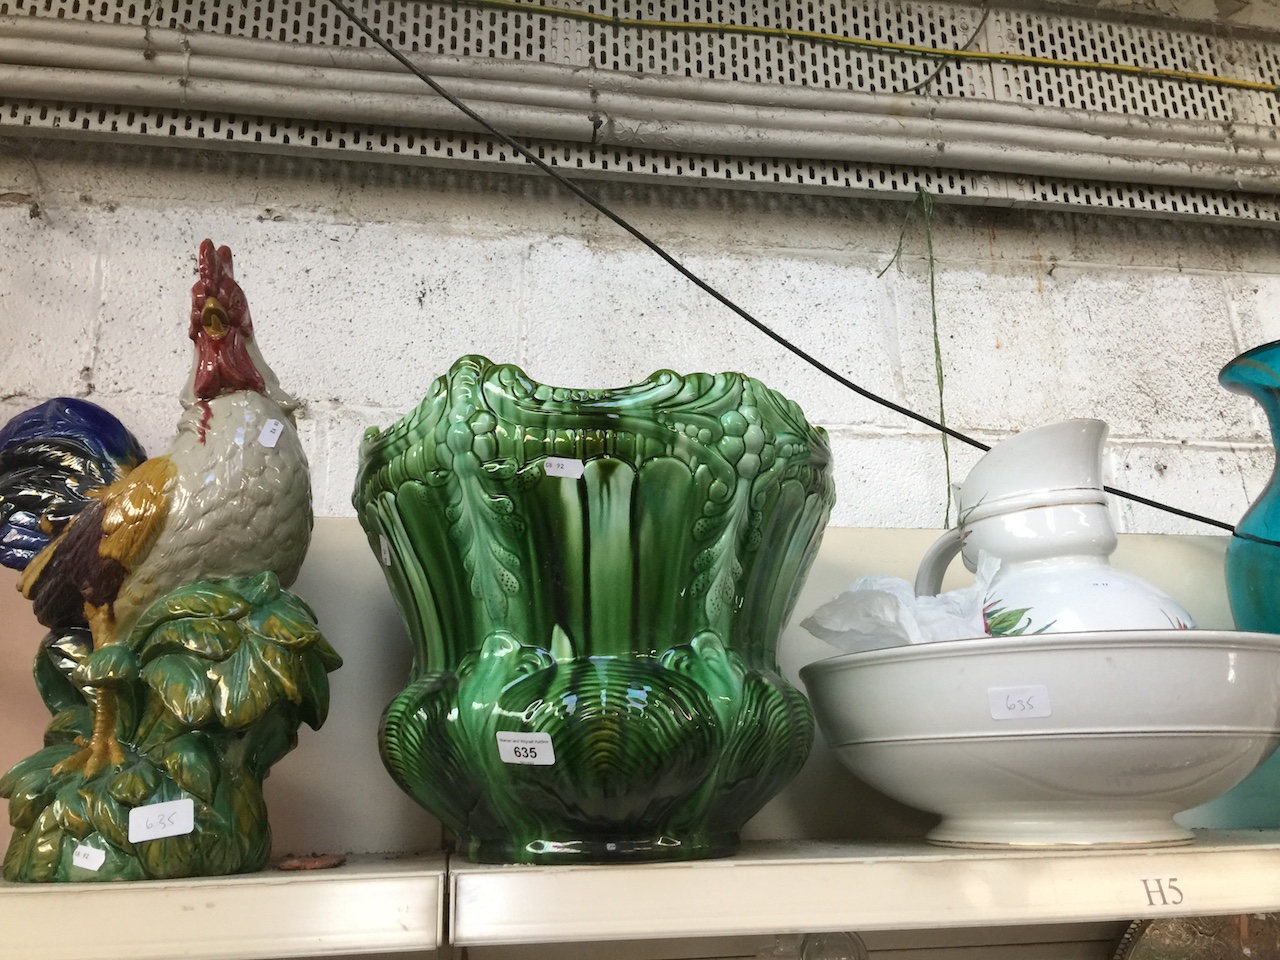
<point x="880" y="611"/>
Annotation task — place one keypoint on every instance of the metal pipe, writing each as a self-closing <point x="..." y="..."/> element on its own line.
<point x="71" y="61"/>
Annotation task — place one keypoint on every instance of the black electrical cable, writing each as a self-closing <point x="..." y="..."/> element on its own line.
<point x="692" y="277"/>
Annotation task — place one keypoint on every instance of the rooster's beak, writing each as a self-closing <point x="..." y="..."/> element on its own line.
<point x="214" y="319"/>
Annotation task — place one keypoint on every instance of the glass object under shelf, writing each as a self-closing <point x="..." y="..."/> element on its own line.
<point x="814" y="946"/>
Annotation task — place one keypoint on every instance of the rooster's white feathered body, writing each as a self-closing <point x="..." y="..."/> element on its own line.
<point x="231" y="497"/>
<point x="239" y="501"/>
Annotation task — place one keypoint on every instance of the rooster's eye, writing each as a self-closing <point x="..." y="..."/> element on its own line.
<point x="214" y="319"/>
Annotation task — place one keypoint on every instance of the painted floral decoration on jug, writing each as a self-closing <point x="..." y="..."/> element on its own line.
<point x="177" y="667"/>
<point x="595" y="581"/>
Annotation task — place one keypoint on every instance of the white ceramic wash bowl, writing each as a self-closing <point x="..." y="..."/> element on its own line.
<point x="1057" y="740"/>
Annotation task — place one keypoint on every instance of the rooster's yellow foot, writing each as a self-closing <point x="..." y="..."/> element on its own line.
<point x="99" y="754"/>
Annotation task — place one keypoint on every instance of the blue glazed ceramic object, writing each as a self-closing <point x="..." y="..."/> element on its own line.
<point x="1253" y="589"/>
<point x="51" y="457"/>
<point x="1253" y="558"/>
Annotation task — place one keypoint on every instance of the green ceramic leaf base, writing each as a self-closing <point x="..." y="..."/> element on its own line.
<point x="595" y="581"/>
<point x="645" y="758"/>
<point x="208" y="692"/>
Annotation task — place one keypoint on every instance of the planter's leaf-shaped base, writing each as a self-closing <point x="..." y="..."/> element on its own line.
<point x="649" y="763"/>
<point x="595" y="582"/>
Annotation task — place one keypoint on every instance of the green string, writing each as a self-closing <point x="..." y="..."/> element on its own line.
<point x="925" y="203"/>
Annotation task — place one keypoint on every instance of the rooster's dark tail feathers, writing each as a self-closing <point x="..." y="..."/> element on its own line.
<point x="51" y="457"/>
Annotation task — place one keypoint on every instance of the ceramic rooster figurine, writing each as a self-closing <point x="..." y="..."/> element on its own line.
<point x="174" y="570"/>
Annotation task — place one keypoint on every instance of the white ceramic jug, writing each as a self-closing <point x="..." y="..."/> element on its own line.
<point x="1035" y="503"/>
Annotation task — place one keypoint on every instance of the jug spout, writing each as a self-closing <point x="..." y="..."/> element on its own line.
<point x="1053" y="464"/>
<point x="1256" y="373"/>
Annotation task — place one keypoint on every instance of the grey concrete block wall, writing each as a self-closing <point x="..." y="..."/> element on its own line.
<point x="366" y="282"/>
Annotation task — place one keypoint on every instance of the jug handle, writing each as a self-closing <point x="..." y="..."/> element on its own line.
<point x="933" y="567"/>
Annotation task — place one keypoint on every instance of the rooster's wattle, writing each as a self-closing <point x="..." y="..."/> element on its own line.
<point x="230" y="498"/>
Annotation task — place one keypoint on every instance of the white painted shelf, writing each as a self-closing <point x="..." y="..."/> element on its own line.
<point x="366" y="906"/>
<point x="790" y="886"/>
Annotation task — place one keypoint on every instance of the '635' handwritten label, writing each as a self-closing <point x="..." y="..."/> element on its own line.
<point x="531" y="748"/>
<point x="1018" y="703"/>
<point x="173" y="818"/>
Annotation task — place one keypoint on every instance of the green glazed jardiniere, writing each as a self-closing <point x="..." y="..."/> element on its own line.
<point x="595" y="582"/>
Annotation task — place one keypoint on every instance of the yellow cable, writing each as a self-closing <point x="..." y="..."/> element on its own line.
<point x="908" y="49"/>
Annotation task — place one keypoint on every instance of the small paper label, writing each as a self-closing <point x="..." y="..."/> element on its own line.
<point x="386" y="550"/>
<point x="1015" y="703"/>
<point x="563" y="467"/>
<point x="530" y="748"/>
<point x="88" y="858"/>
<point x="271" y="431"/>
<point x="173" y="818"/>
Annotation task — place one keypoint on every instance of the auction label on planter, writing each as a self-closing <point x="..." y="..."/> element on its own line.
<point x="172" y="818"/>
<point x="530" y="748"/>
<point x="564" y="467"/>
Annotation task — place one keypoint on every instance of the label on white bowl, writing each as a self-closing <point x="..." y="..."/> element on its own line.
<point x="1019" y="703"/>
<point x="530" y="748"/>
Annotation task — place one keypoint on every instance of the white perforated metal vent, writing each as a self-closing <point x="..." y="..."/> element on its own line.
<point x="468" y="31"/>
<point x="513" y="35"/>
<point x="473" y="32"/>
<point x="343" y="141"/>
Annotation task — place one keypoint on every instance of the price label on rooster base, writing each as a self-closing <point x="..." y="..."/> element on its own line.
<point x="530" y="748"/>
<point x="88" y="858"/>
<point x="173" y="818"/>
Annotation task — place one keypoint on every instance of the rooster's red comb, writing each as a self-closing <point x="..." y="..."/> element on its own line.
<point x="218" y="280"/>
<point x="215" y="264"/>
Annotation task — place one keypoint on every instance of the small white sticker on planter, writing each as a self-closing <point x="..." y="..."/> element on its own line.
<point x="88" y="858"/>
<point x="172" y="818"/>
<point x="530" y="748"/>
<point x="563" y="467"/>
<point x="1019" y="703"/>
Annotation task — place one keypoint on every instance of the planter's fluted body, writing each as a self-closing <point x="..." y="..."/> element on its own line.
<point x="595" y="581"/>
